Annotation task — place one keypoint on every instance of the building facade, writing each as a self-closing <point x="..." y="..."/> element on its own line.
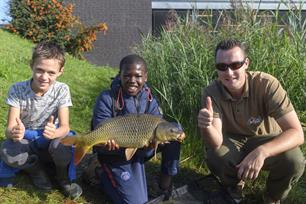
<point x="226" y="4"/>
<point x="128" y="20"/>
<point x="161" y="8"/>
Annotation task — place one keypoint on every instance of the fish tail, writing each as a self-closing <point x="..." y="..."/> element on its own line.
<point x="68" y="141"/>
<point x="79" y="153"/>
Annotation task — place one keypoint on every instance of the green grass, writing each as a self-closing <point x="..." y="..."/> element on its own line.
<point x="180" y="65"/>
<point x="85" y="81"/>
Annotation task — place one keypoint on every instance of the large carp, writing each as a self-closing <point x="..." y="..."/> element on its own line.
<point x="131" y="131"/>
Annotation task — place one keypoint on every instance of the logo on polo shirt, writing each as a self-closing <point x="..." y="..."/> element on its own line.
<point x="254" y="121"/>
<point x="125" y="176"/>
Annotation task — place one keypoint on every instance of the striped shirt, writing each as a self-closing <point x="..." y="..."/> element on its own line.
<point x="36" y="110"/>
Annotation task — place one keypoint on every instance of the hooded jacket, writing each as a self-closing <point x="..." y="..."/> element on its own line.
<point x="111" y="104"/>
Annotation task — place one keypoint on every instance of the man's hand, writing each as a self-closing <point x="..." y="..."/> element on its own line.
<point x="251" y="165"/>
<point x="205" y="116"/>
<point x="50" y="128"/>
<point x="17" y="132"/>
<point x="111" y="145"/>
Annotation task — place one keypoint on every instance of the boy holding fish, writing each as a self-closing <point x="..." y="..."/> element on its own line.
<point x="124" y="180"/>
<point x="37" y="120"/>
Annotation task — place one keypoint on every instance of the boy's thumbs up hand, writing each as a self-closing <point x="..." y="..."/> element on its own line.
<point x="205" y="116"/>
<point x="17" y="132"/>
<point x="19" y="122"/>
<point x="49" y="130"/>
<point x="51" y="119"/>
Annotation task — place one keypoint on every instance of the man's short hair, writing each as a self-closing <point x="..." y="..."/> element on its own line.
<point x="48" y="50"/>
<point x="132" y="59"/>
<point x="229" y="44"/>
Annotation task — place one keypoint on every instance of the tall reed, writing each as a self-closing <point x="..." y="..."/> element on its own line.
<point x="181" y="60"/>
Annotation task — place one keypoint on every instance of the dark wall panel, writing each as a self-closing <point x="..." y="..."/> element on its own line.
<point x="126" y="19"/>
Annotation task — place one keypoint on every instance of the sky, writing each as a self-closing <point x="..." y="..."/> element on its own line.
<point x="4" y="11"/>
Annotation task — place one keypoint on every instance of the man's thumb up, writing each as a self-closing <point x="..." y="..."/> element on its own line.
<point x="209" y="106"/>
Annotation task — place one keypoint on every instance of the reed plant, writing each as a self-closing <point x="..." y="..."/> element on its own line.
<point x="181" y="61"/>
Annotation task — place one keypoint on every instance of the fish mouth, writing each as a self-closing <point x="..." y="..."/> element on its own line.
<point x="181" y="137"/>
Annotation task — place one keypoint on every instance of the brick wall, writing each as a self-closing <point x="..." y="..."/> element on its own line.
<point x="126" y="19"/>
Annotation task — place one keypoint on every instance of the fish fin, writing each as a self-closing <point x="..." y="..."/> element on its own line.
<point x="79" y="153"/>
<point x="129" y="153"/>
<point x="155" y="150"/>
<point x="68" y="141"/>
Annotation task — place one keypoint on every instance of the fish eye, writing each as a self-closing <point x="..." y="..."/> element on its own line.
<point x="173" y="130"/>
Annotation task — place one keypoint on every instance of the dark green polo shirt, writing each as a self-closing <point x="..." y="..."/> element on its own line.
<point x="254" y="114"/>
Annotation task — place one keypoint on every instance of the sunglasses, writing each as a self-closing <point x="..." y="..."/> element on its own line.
<point x="233" y="66"/>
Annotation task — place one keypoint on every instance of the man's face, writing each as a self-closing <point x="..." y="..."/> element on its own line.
<point x="45" y="72"/>
<point x="133" y="77"/>
<point x="233" y="79"/>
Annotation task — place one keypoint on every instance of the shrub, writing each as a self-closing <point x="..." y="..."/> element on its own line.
<point x="39" y="20"/>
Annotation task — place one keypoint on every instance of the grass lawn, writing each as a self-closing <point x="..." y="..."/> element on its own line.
<point x="85" y="82"/>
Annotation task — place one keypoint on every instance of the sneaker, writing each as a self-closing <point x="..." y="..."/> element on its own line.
<point x="157" y="192"/>
<point x="235" y="192"/>
<point x="36" y="171"/>
<point x="39" y="178"/>
<point x="6" y="182"/>
<point x="72" y="190"/>
<point x="169" y="195"/>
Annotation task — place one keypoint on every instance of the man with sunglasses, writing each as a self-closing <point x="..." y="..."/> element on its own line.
<point x="249" y="124"/>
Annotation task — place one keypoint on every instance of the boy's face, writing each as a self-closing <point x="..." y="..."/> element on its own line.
<point x="133" y="77"/>
<point x="45" y="73"/>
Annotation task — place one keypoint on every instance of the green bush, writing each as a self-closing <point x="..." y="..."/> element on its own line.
<point x="39" y="20"/>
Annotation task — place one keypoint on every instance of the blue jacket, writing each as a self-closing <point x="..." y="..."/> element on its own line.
<point x="104" y="108"/>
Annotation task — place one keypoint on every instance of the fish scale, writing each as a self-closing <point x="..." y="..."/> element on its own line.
<point x="138" y="131"/>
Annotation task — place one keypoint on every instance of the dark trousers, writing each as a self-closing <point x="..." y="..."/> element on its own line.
<point x="284" y="169"/>
<point x="17" y="154"/>
<point x="125" y="182"/>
